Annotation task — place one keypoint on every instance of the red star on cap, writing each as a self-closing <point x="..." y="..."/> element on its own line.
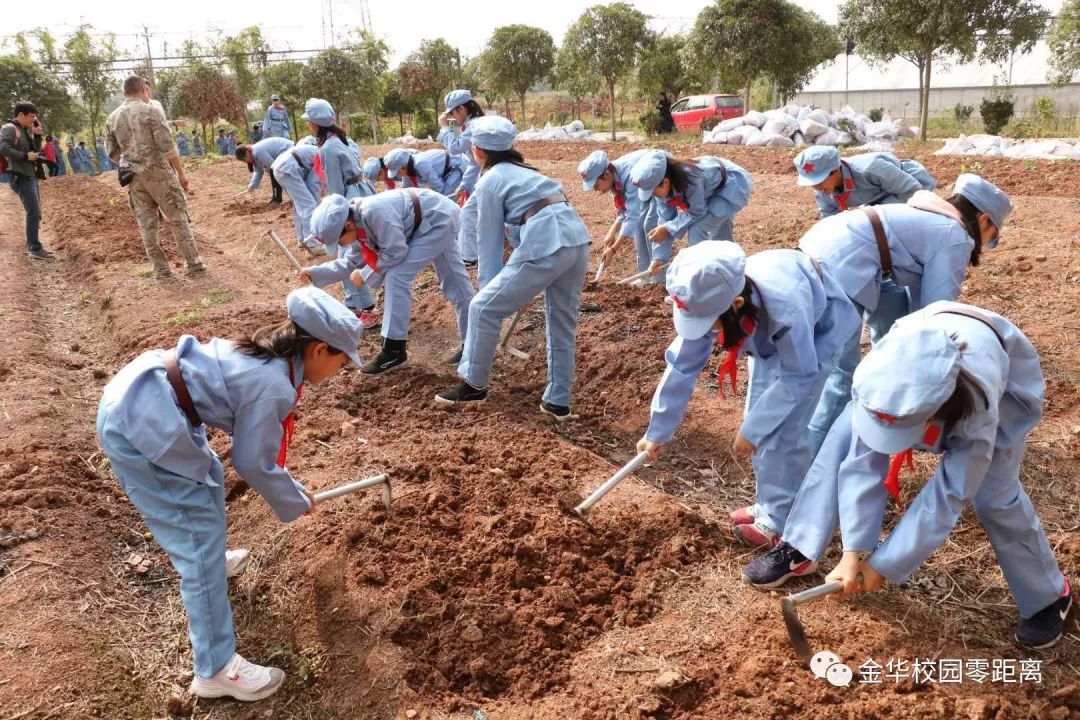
<point x="808" y="167"/>
<point x="679" y="304"/>
<point x="885" y="418"/>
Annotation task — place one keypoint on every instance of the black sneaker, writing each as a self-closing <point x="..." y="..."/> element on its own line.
<point x="41" y="254"/>
<point x="391" y="357"/>
<point x="1045" y="628"/>
<point x="470" y="263"/>
<point x="561" y="413"/>
<point x="455" y="359"/>
<point x="463" y="393"/>
<point x="777" y="566"/>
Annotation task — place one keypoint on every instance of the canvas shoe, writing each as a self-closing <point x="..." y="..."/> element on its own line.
<point x="41" y="254"/>
<point x="561" y="413"/>
<point x="391" y="357"/>
<point x="369" y="319"/>
<point x="1045" y="628"/>
<point x="236" y="562"/>
<point x="756" y="535"/>
<point x="742" y="516"/>
<point x="463" y="393"/>
<point x="777" y="566"/>
<point x="240" y="680"/>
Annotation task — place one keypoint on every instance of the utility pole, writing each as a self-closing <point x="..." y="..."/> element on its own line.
<point x="149" y="56"/>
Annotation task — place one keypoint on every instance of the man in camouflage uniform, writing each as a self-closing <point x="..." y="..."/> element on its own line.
<point x="138" y="136"/>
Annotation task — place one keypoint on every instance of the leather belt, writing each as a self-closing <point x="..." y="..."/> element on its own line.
<point x="541" y="204"/>
<point x="172" y="372"/>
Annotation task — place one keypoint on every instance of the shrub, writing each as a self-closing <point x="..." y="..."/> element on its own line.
<point x="875" y="114"/>
<point x="708" y="123"/>
<point x="962" y="113"/>
<point x="424" y="124"/>
<point x="650" y="122"/>
<point x="996" y="113"/>
<point x="1045" y="110"/>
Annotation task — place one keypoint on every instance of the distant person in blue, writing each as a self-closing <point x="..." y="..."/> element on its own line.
<point x="222" y="142"/>
<point x="231" y="147"/>
<point x="277" y="122"/>
<point x="73" y="158"/>
<point x="61" y="168"/>
<point x="152" y="424"/>
<point x="84" y="158"/>
<point x="196" y="145"/>
<point x="104" y="163"/>
<point x="256" y="133"/>
<point x="182" y="144"/>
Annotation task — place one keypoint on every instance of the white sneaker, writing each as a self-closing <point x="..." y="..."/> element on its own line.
<point x="236" y="562"/>
<point x="639" y="283"/>
<point x="240" y="680"/>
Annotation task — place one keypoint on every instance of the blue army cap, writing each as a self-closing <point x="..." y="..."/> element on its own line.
<point x="704" y="281"/>
<point x="592" y="167"/>
<point x="327" y="319"/>
<point x="456" y="98"/>
<point x="396" y="159"/>
<point x="275" y="96"/>
<point x="815" y="163"/>
<point x="492" y="132"/>
<point x="986" y="196"/>
<point x="329" y="217"/>
<point x="372" y="166"/>
<point x="900" y="384"/>
<point x="648" y="172"/>
<point x="318" y="111"/>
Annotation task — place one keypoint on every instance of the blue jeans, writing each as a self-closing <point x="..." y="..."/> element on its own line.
<point x="27" y="190"/>
<point x="893" y="304"/>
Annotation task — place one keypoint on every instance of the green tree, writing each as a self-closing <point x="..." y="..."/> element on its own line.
<point x="572" y="74"/>
<point x="23" y="79"/>
<point x="287" y="80"/>
<point x="245" y="55"/>
<point x="350" y="77"/>
<point x="517" y="57"/>
<point x="736" y="41"/>
<point x="607" y="40"/>
<point x="661" y="68"/>
<point x="927" y="31"/>
<point x="91" y="72"/>
<point x="205" y="94"/>
<point x="1064" y="41"/>
<point x="428" y="73"/>
<point x="395" y="101"/>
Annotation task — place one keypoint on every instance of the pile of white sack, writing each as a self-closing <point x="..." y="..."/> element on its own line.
<point x="800" y="125"/>
<point x="408" y="140"/>
<point x="994" y="146"/>
<point x="574" y="131"/>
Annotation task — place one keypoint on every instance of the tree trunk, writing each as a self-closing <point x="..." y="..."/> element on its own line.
<point x="611" y="90"/>
<point x="295" y="128"/>
<point x="749" y="82"/>
<point x="401" y="122"/>
<point x="924" y="114"/>
<point x="522" y="121"/>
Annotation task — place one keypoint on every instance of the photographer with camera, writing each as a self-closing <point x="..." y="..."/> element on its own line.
<point x="20" y="143"/>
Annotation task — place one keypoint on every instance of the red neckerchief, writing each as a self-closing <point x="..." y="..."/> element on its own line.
<point x="620" y="201"/>
<point x="676" y="202"/>
<point x="288" y="425"/>
<point x="849" y="185"/>
<point x="412" y="179"/>
<point x="896" y="464"/>
<point x="730" y="366"/>
<point x="371" y="256"/>
<point x="463" y="198"/>
<point x="390" y="184"/>
<point x="317" y="166"/>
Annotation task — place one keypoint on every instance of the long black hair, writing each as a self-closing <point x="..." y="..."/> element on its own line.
<point x="962" y="402"/>
<point x="410" y="167"/>
<point x="324" y="132"/>
<point x="678" y="172"/>
<point x="512" y="156"/>
<point x="473" y="109"/>
<point x="970" y="214"/>
<point x="731" y="321"/>
<point x="280" y="340"/>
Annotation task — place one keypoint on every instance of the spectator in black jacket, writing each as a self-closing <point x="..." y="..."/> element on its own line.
<point x="20" y="143"/>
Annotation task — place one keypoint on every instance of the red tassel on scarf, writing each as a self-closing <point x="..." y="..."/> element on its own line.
<point x="288" y="425"/>
<point x="730" y="366"/>
<point x="371" y="257"/>
<point x="318" y="167"/>
<point x="892" y="479"/>
<point x="390" y="184"/>
<point x="620" y="201"/>
<point x="463" y="198"/>
<point x="679" y="203"/>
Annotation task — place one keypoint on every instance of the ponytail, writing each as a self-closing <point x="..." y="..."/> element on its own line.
<point x="512" y="156"/>
<point x="970" y="215"/>
<point x="678" y="172"/>
<point x="962" y="403"/>
<point x="731" y="321"/>
<point x="283" y="340"/>
<point x="324" y="132"/>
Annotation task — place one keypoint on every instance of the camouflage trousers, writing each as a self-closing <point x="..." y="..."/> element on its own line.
<point x="158" y="189"/>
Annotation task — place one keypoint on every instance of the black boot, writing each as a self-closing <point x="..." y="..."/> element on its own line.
<point x="391" y="357"/>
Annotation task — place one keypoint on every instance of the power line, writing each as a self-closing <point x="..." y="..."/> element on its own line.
<point x="209" y="56"/>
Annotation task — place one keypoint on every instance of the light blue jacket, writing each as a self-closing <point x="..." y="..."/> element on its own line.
<point x="387" y="219"/>
<point x="196" y="145"/>
<point x="339" y="165"/>
<point x="930" y="253"/>
<point x="634" y="214"/>
<point x="276" y="123"/>
<point x="459" y="142"/>
<point x="263" y="155"/>
<point x="430" y="166"/>
<point x="1013" y="383"/>
<point x="503" y="195"/>
<point x="182" y="144"/>
<point x="804" y="319"/>
<point x="298" y="161"/>
<point x="244" y="396"/>
<point x="222" y="143"/>
<point x="707" y="193"/>
<point x="876" y="179"/>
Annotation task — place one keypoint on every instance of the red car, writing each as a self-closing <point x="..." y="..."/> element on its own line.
<point x="689" y="111"/>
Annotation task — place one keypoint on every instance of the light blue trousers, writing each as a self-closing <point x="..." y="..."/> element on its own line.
<point x="1001" y="504"/>
<point x="561" y="277"/>
<point x="893" y="304"/>
<point x="467" y="229"/>
<point x="781" y="463"/>
<point x="438" y="248"/>
<point x="304" y="194"/>
<point x="187" y="518"/>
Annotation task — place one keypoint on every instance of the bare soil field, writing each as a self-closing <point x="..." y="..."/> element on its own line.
<point x="479" y="596"/>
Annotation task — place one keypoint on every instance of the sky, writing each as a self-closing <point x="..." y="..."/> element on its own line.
<point x="466" y="24"/>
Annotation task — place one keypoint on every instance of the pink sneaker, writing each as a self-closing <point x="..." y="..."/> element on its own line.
<point x="756" y="535"/>
<point x="369" y="319"/>
<point x="742" y="516"/>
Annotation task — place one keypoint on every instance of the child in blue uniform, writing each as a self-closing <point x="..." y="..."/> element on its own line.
<point x="295" y="170"/>
<point x="437" y="170"/>
<point x="551" y="255"/>
<point x="954" y="380"/>
<point x="923" y="256"/>
<point x="457" y="140"/>
<point x="260" y="159"/>
<point x="851" y="182"/>
<point x="634" y="218"/>
<point x="152" y="426"/>
<point x="696" y="197"/>
<point x="387" y="240"/>
<point x="790" y="317"/>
